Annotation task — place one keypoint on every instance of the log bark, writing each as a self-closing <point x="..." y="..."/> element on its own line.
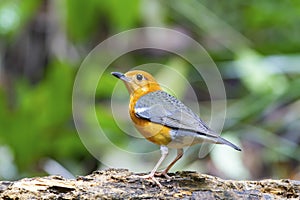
<point x="122" y="184"/>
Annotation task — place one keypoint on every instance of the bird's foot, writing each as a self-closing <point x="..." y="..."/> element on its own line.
<point x="163" y="173"/>
<point x="151" y="176"/>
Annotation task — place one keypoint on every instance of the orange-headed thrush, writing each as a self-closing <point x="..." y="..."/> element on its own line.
<point x="163" y="119"/>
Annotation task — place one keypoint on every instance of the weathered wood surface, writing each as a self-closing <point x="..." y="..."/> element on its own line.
<point x="122" y="184"/>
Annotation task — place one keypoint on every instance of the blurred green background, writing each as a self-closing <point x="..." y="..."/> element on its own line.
<point x="255" y="45"/>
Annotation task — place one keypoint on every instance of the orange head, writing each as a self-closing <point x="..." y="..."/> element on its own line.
<point x="138" y="81"/>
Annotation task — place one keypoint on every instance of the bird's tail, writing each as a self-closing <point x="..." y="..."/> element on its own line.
<point x="223" y="141"/>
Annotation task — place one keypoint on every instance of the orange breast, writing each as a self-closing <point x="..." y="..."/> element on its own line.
<point x="153" y="132"/>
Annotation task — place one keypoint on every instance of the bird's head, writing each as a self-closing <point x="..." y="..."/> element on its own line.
<point x="138" y="81"/>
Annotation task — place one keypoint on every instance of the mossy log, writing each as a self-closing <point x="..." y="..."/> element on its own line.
<point x="122" y="184"/>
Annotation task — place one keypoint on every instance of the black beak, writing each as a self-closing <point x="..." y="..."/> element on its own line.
<point x="121" y="76"/>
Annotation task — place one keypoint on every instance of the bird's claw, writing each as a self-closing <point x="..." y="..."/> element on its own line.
<point x="163" y="173"/>
<point x="150" y="176"/>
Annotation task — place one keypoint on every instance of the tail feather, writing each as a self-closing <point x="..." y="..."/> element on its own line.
<point x="224" y="141"/>
<point x="210" y="138"/>
<point x="214" y="138"/>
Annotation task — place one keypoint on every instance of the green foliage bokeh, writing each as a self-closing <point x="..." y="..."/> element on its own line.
<point x="255" y="45"/>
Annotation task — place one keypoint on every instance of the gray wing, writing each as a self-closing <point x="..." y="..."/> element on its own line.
<point x="163" y="108"/>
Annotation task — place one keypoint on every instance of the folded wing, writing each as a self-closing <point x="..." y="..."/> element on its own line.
<point x="163" y="108"/>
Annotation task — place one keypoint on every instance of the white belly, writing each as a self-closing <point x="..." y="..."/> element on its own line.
<point x="184" y="138"/>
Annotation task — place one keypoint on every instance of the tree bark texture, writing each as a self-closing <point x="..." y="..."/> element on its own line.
<point x="122" y="184"/>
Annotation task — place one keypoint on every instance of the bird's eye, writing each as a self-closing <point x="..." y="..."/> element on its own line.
<point x="139" y="77"/>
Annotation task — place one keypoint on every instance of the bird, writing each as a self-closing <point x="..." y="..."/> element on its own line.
<point x="164" y="120"/>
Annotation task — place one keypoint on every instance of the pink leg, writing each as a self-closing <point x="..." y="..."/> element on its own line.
<point x="179" y="155"/>
<point x="164" y="153"/>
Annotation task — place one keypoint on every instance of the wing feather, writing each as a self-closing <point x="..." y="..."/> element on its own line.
<point x="163" y="108"/>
